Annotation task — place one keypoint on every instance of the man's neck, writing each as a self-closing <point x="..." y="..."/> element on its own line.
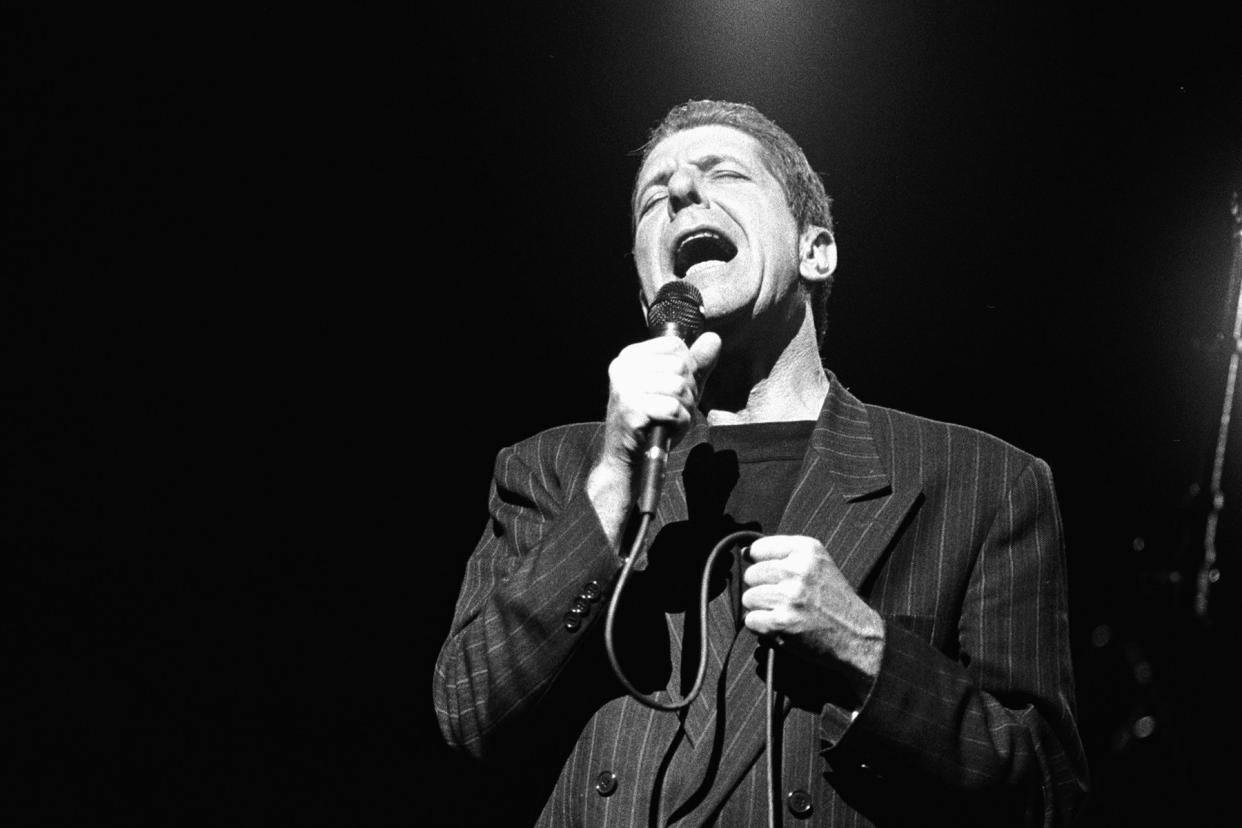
<point x="789" y="385"/>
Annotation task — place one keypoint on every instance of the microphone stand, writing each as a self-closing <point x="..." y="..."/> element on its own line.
<point x="1208" y="573"/>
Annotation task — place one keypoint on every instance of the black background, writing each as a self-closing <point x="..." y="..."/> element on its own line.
<point x="278" y="282"/>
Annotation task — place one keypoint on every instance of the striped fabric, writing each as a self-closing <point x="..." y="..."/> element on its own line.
<point x="952" y="535"/>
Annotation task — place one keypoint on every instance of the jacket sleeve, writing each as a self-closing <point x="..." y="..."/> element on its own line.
<point x="994" y="730"/>
<point x="511" y="635"/>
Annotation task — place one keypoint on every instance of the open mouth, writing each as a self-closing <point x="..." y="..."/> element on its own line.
<point x="701" y="248"/>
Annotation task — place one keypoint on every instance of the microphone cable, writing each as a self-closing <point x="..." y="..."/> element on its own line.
<point x="744" y="536"/>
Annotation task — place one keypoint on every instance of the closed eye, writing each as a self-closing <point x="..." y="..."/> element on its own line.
<point x="652" y="200"/>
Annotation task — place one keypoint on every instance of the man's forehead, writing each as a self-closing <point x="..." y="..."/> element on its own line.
<point x="700" y="142"/>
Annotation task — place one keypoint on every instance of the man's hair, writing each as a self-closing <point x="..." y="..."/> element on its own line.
<point x="803" y="187"/>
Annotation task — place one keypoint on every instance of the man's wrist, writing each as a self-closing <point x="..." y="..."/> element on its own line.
<point x="865" y="656"/>
<point x="608" y="489"/>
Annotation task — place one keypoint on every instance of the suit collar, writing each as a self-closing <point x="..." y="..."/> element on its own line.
<point x="843" y="438"/>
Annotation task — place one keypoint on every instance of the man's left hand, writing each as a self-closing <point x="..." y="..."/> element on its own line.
<point x="797" y="594"/>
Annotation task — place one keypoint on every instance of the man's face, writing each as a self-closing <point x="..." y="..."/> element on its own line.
<point x="709" y="211"/>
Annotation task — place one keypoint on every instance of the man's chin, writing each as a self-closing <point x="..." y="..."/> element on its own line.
<point x="726" y="320"/>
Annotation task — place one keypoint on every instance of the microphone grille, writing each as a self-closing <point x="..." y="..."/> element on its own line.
<point x="678" y="306"/>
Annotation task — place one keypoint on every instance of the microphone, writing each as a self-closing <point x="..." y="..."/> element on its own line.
<point x="676" y="311"/>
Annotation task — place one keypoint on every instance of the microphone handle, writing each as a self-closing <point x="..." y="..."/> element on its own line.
<point x="655" y="459"/>
<point x="684" y="321"/>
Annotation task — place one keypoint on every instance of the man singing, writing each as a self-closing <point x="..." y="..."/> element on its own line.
<point x="907" y="575"/>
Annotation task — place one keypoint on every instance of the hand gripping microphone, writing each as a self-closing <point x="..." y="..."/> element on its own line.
<point x="676" y="311"/>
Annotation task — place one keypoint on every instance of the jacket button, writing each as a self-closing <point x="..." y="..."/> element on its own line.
<point x="572" y="622"/>
<point x="580" y="607"/>
<point x="606" y="783"/>
<point x="800" y="804"/>
<point x="593" y="590"/>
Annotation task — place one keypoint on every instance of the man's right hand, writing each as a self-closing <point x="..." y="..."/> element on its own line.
<point x="657" y="380"/>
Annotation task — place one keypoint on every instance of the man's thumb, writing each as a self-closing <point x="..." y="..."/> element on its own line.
<point x="705" y="351"/>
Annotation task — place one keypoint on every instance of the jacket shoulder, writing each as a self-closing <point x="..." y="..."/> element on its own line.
<point x="559" y="457"/>
<point x="925" y="448"/>
<point x="571" y="437"/>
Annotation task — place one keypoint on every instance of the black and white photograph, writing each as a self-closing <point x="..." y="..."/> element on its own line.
<point x="626" y="414"/>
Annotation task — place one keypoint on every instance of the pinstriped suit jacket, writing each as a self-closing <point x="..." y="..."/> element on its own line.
<point x="953" y="536"/>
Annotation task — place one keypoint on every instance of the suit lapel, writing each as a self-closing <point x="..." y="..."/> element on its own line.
<point x="844" y="497"/>
<point x="860" y="509"/>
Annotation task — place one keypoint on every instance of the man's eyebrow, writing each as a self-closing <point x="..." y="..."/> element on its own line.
<point x="655" y="177"/>
<point x="709" y="161"/>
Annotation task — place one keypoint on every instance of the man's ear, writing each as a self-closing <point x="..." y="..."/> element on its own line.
<point x="817" y="254"/>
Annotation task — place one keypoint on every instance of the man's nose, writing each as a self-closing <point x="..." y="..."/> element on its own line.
<point x="684" y="190"/>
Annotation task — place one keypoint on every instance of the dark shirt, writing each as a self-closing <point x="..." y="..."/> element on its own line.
<point x="761" y="462"/>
